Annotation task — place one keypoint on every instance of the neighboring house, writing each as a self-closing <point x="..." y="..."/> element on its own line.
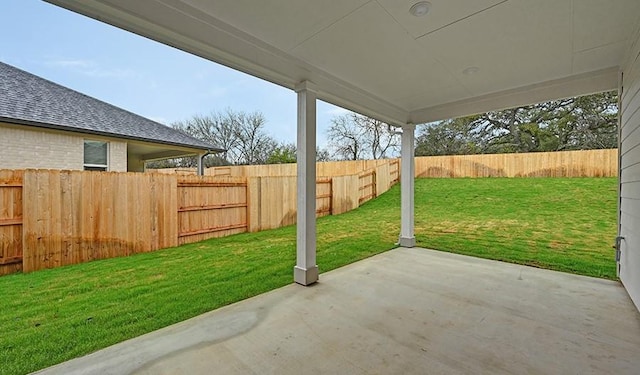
<point x="45" y="125"/>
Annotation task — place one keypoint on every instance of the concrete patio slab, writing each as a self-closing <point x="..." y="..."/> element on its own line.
<point x="404" y="311"/>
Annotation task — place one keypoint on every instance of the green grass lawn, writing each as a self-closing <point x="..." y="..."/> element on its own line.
<point x="50" y="316"/>
<point x="564" y="224"/>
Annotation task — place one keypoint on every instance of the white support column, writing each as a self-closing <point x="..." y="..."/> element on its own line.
<point x="306" y="271"/>
<point x="407" y="237"/>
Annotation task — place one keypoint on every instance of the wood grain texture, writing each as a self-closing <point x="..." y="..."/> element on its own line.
<point x="583" y="163"/>
<point x="211" y="207"/>
<point x="10" y="221"/>
<point x="74" y="216"/>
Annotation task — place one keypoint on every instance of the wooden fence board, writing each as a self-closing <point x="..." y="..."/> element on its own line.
<point x="394" y="170"/>
<point x="323" y="196"/>
<point x="11" y="221"/>
<point x="383" y="178"/>
<point x="254" y="184"/>
<point x="346" y="193"/>
<point x="284" y="191"/>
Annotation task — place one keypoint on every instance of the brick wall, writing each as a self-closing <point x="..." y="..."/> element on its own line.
<point x="27" y="147"/>
<point x="117" y="156"/>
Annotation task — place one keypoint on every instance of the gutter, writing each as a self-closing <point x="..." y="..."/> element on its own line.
<point x="201" y="162"/>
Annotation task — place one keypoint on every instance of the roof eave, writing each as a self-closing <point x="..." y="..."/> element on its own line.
<point x="209" y="148"/>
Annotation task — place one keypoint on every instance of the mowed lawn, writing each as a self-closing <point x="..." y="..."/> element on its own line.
<point x="564" y="224"/>
<point x="50" y="316"/>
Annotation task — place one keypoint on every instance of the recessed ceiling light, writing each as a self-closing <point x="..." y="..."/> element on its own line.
<point x="471" y="70"/>
<point x="421" y="8"/>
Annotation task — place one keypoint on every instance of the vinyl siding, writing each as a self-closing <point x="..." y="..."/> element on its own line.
<point x="630" y="174"/>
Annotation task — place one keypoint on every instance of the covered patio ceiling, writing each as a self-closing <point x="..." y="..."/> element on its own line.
<point x="374" y="57"/>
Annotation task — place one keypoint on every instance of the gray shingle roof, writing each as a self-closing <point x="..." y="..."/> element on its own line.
<point x="31" y="100"/>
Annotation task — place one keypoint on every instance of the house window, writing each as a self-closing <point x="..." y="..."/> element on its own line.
<point x="95" y="155"/>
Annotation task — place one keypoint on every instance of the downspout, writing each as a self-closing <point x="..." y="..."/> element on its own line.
<point x="201" y="162"/>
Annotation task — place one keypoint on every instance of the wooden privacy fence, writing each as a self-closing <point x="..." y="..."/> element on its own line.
<point x="51" y="218"/>
<point x="583" y="163"/>
<point x="326" y="169"/>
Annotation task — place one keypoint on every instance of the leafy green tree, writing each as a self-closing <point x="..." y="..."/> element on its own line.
<point x="587" y="122"/>
<point x="282" y="154"/>
<point x="450" y="137"/>
<point x="287" y="153"/>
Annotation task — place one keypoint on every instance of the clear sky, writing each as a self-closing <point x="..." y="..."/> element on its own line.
<point x="138" y="74"/>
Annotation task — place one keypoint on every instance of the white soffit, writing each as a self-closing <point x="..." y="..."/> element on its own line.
<point x="442" y="14"/>
<point x="294" y="24"/>
<point x="597" y="43"/>
<point x="590" y="26"/>
<point x="373" y="57"/>
<point x="512" y="45"/>
<point x="372" y="51"/>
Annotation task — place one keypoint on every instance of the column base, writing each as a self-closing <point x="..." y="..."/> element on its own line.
<point x="305" y="277"/>
<point x="407" y="241"/>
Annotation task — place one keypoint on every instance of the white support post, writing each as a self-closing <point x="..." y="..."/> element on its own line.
<point x="306" y="271"/>
<point x="407" y="237"/>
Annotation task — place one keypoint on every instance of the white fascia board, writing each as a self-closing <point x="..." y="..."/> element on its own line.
<point x="577" y="85"/>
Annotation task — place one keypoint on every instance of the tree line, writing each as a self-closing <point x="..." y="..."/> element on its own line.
<point x="587" y="122"/>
